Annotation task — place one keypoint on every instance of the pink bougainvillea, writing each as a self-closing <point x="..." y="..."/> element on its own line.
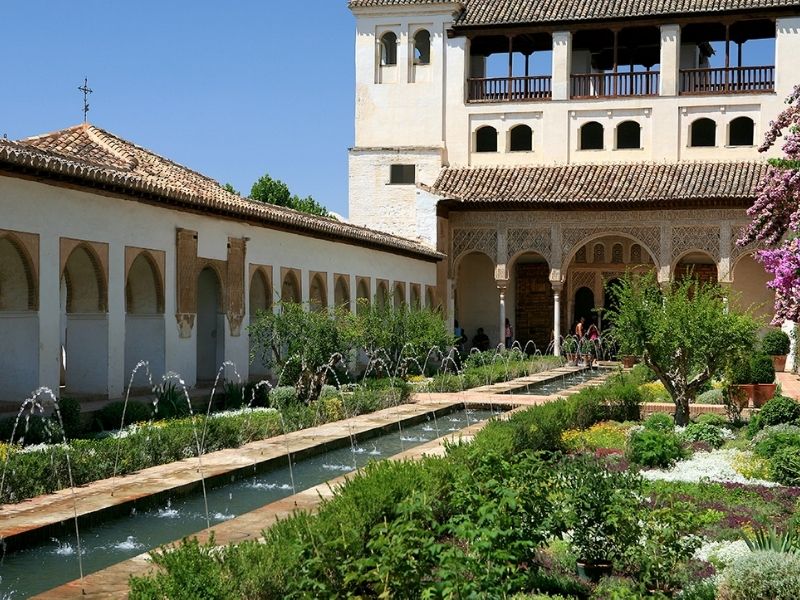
<point x="776" y="213"/>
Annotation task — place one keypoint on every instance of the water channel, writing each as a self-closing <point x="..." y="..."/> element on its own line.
<point x="48" y="565"/>
<point x="559" y="384"/>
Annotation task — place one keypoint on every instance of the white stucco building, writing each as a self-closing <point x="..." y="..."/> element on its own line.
<point x="545" y="147"/>
<point x="110" y="254"/>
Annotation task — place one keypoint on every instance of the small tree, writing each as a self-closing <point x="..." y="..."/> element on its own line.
<point x="274" y="191"/>
<point x="303" y="344"/>
<point x="684" y="333"/>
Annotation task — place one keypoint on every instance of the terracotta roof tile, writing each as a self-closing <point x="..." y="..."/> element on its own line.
<point x="502" y="12"/>
<point x="635" y="183"/>
<point x="92" y="156"/>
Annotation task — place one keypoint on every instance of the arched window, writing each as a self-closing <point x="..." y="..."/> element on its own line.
<point x="629" y="136"/>
<point x="85" y="282"/>
<point x="388" y="49"/>
<point x="399" y="296"/>
<point x="486" y="139"/>
<point x="422" y="47"/>
<point x="290" y="289"/>
<point x="143" y="290"/>
<point x="17" y="282"/>
<point x="599" y="253"/>
<point x="341" y="293"/>
<point x="580" y="257"/>
<point x="636" y="254"/>
<point x="382" y="295"/>
<point x="703" y="133"/>
<point x="416" y="301"/>
<point x="521" y="139"/>
<point x="592" y="136"/>
<point x="616" y="254"/>
<point x="317" y="293"/>
<point x="741" y="132"/>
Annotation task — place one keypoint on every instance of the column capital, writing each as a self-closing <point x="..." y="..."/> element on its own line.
<point x="557" y="286"/>
<point x="502" y="284"/>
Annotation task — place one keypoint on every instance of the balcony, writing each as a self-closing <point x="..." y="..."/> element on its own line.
<point x="509" y="89"/>
<point x="614" y="85"/>
<point x="731" y="80"/>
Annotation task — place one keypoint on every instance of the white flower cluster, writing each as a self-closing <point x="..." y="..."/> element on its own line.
<point x="242" y="411"/>
<point x="716" y="466"/>
<point x="721" y="554"/>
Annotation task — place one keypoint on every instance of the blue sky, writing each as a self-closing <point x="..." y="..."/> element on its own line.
<point x="232" y="89"/>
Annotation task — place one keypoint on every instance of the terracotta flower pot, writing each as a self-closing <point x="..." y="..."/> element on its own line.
<point x="743" y="395"/>
<point x="593" y="571"/>
<point x="628" y="361"/>
<point x="762" y="393"/>
<point x="779" y="362"/>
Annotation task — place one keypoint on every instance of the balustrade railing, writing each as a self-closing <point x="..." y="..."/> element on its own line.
<point x="605" y="85"/>
<point x="731" y="80"/>
<point x="509" y="89"/>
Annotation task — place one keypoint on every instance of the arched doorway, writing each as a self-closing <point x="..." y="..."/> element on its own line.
<point x="84" y="357"/>
<point x="210" y="326"/>
<point x="584" y="305"/>
<point x="260" y="301"/>
<point x="341" y="293"/>
<point x="697" y="265"/>
<point x="144" y="318"/>
<point x="19" y="324"/>
<point x="530" y="300"/>
<point x="477" y="304"/>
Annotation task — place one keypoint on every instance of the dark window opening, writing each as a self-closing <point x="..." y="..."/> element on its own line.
<point x="703" y="133"/>
<point x="629" y="135"/>
<point x="422" y="47"/>
<point x="741" y="132"/>
<point x="592" y="136"/>
<point x="403" y="174"/>
<point x="388" y="49"/>
<point x="486" y="139"/>
<point x="521" y="139"/>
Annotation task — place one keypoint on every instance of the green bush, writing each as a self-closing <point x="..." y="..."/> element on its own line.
<point x="31" y="430"/>
<point x="654" y="448"/>
<point x="616" y="588"/>
<point x="711" y="397"/>
<point x="761" y="369"/>
<point x="700" y="590"/>
<point x="785" y="465"/>
<point x="780" y="410"/>
<point x="772" y="439"/>
<point x="171" y="402"/>
<point x="71" y="417"/>
<point x="110" y="416"/>
<point x="282" y="396"/>
<point x="712" y="419"/>
<point x="772" y="575"/>
<point x="704" y="432"/>
<point x="659" y="422"/>
<point x="776" y="343"/>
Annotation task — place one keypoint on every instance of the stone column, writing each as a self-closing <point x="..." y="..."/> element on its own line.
<point x="557" y="286"/>
<point x="669" y="78"/>
<point x="49" y="313"/>
<point x="502" y="286"/>
<point x="562" y="64"/>
<point x="353" y="293"/>
<point x="116" y="321"/>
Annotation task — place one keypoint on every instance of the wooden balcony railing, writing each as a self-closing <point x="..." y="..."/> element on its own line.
<point x="605" y="85"/>
<point x="509" y="89"/>
<point x="733" y="80"/>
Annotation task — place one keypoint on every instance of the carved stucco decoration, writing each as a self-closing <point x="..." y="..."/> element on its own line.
<point x="481" y="240"/>
<point x="579" y="279"/>
<point x="529" y="240"/>
<point x="574" y="237"/>
<point x="701" y="238"/>
<point x="738" y="252"/>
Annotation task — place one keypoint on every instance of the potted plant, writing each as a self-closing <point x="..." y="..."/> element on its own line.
<point x="776" y="344"/>
<point x="752" y="381"/>
<point x="569" y="347"/>
<point x="629" y="360"/>
<point x="602" y="510"/>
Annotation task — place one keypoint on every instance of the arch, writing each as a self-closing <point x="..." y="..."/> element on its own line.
<point x="260" y="292"/>
<point x="477" y="303"/>
<point x="570" y="256"/>
<point x="750" y="287"/>
<point x="521" y="139"/>
<point x="486" y="139"/>
<point x="430" y="298"/>
<point x="144" y="291"/>
<point x="584" y="303"/>
<point x="210" y="324"/>
<point x="529" y="300"/>
<point x="422" y="47"/>
<point x="18" y="285"/>
<point x="362" y="295"/>
<point x="416" y="301"/>
<point x="580" y="255"/>
<point x="591" y="136"/>
<point x="703" y="133"/>
<point x="388" y="49"/>
<point x="741" y="132"/>
<point x="318" y="293"/>
<point x="341" y="292"/>
<point x="599" y="253"/>
<point x="85" y="281"/>
<point x="382" y="294"/>
<point x="629" y="135"/>
<point x="399" y="295"/>
<point x="636" y="254"/>
<point x="290" y="288"/>
<point x="616" y="254"/>
<point x="697" y="263"/>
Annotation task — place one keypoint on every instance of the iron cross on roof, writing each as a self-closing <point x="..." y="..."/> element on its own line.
<point x="86" y="91"/>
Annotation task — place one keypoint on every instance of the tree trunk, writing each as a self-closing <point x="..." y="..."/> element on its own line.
<point x="682" y="410"/>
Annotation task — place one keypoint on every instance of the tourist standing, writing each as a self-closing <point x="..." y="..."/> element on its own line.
<point x="509" y="335"/>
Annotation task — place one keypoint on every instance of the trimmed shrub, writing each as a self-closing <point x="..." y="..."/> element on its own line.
<point x="711" y="397"/>
<point x="704" y="432"/>
<point x="654" y="448"/>
<point x="282" y="396"/>
<point x="780" y="410"/>
<point x="659" y="422"/>
<point x="773" y="575"/>
<point x="110" y="416"/>
<point x="71" y="416"/>
<point x="776" y="343"/>
<point x="772" y="439"/>
<point x="712" y="419"/>
<point x="761" y="369"/>
<point x="785" y="466"/>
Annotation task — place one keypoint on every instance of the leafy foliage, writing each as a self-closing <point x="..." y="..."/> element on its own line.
<point x="771" y="540"/>
<point x="774" y="575"/>
<point x="776" y="343"/>
<point x="685" y="333"/>
<point x="653" y="448"/>
<point x="274" y="191"/>
<point x="786" y="465"/>
<point x="704" y="432"/>
<point x="780" y="410"/>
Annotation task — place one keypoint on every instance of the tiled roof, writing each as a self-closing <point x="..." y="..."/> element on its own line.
<point x="620" y="184"/>
<point x="502" y="12"/>
<point x="88" y="155"/>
